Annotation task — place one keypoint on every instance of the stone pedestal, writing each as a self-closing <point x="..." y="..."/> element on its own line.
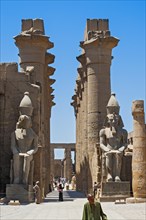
<point x="19" y="192"/>
<point x="135" y="200"/>
<point x="110" y="191"/>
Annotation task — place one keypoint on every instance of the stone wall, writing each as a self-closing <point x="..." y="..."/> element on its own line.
<point x="13" y="85"/>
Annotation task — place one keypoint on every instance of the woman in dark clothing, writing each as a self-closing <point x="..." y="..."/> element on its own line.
<point x="60" y="190"/>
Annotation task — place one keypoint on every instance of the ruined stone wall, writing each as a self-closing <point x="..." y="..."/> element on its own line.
<point x="13" y="85"/>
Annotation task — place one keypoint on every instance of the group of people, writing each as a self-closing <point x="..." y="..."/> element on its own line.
<point x="92" y="209"/>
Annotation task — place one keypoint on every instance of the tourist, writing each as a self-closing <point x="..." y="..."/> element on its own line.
<point x="92" y="210"/>
<point x="60" y="190"/>
<point x="37" y="193"/>
<point x="95" y="189"/>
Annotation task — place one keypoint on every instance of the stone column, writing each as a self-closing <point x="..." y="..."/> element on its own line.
<point x="139" y="150"/>
<point x="69" y="164"/>
<point x="33" y="45"/>
<point x="51" y="161"/>
<point x="83" y="123"/>
<point x="98" y="46"/>
<point x="78" y="144"/>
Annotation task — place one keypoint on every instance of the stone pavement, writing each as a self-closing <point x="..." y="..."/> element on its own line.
<point x="70" y="209"/>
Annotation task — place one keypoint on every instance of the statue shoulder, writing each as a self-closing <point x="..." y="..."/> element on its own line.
<point x="102" y="132"/>
<point x="124" y="132"/>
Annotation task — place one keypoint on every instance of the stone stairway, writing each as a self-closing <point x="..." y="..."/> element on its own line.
<point x="68" y="195"/>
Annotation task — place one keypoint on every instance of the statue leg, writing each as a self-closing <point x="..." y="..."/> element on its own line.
<point x="17" y="167"/>
<point x="11" y="172"/>
<point x="109" y="166"/>
<point x="26" y="168"/>
<point x="118" y="163"/>
<point x="104" y="169"/>
<point x="31" y="171"/>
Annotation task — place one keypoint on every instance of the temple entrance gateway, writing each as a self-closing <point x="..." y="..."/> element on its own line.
<point x="62" y="167"/>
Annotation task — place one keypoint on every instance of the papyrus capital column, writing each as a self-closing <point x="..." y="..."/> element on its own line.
<point x="98" y="45"/>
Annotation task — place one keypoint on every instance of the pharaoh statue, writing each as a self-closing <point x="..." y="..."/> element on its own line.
<point x="113" y="141"/>
<point x="24" y="143"/>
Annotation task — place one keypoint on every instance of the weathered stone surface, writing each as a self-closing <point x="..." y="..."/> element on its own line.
<point x="113" y="142"/>
<point x="19" y="192"/>
<point x="139" y="150"/>
<point x="112" y="191"/>
<point x="24" y="143"/>
<point x="113" y="188"/>
<point x="92" y="93"/>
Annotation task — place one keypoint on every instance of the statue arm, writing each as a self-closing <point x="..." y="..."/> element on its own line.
<point x="13" y="144"/>
<point x="34" y="145"/>
<point x="103" y="141"/>
<point x="124" y="141"/>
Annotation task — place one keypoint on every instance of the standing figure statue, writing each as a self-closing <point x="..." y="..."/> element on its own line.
<point x="113" y="141"/>
<point x="24" y="143"/>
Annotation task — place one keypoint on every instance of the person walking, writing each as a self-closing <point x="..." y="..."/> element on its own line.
<point x="60" y="190"/>
<point x="92" y="210"/>
<point x="95" y="189"/>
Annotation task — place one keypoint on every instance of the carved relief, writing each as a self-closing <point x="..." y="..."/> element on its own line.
<point x="138" y="155"/>
<point x="138" y="167"/>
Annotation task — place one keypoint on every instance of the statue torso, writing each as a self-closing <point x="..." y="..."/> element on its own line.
<point x="113" y="138"/>
<point x="24" y="139"/>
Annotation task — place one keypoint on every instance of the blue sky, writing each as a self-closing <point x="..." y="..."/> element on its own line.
<point x="65" y="23"/>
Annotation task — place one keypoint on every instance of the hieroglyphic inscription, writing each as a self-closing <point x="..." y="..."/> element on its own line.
<point x="138" y="155"/>
<point x="138" y="167"/>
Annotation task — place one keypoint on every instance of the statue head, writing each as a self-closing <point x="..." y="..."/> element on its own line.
<point x="113" y="105"/>
<point x="25" y="106"/>
<point x="113" y="119"/>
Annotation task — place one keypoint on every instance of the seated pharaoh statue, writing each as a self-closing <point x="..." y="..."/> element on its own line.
<point x="24" y="143"/>
<point x="113" y="141"/>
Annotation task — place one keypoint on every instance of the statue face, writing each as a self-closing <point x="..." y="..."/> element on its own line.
<point x="24" y="122"/>
<point x="112" y="120"/>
